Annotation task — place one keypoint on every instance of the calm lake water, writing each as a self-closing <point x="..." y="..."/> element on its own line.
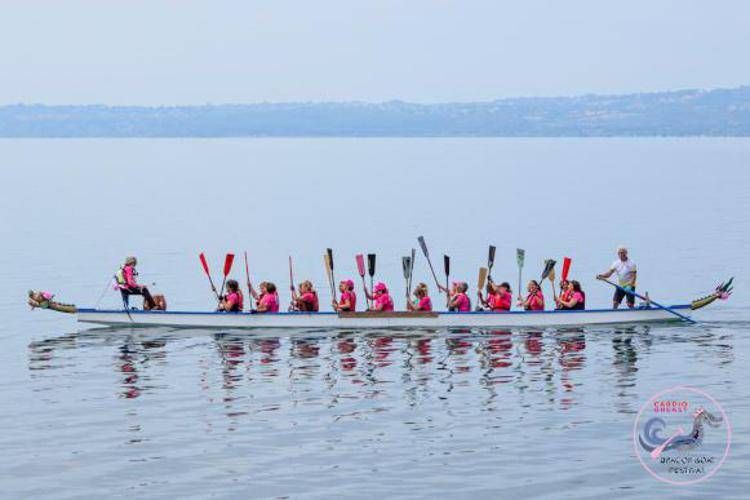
<point x="89" y="413"/>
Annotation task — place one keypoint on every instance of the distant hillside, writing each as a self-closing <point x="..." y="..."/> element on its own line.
<point x="724" y="112"/>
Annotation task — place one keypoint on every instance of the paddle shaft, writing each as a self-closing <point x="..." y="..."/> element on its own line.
<point x="423" y="245"/>
<point x="447" y="293"/>
<point x="365" y="287"/>
<point x="411" y="273"/>
<point x="249" y="286"/>
<point x="208" y="273"/>
<point x="446" y="265"/>
<point x="291" y="284"/>
<point x="672" y="311"/>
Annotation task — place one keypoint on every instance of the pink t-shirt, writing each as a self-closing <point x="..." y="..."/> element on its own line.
<point x="579" y="298"/>
<point x="129" y="273"/>
<point x="234" y="301"/>
<point x="350" y="297"/>
<point x="310" y="300"/>
<point x="536" y="301"/>
<point x="270" y="301"/>
<point x="463" y="304"/>
<point x="501" y="301"/>
<point x="425" y="304"/>
<point x="383" y="302"/>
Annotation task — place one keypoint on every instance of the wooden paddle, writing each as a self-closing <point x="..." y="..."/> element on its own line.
<point x="551" y="277"/>
<point x="361" y="268"/>
<point x="520" y="256"/>
<point x="371" y="272"/>
<point x="483" y="273"/>
<point x="329" y="272"/>
<point x="648" y="300"/>
<point x="204" y="263"/>
<point x="228" y="261"/>
<point x="426" y="253"/>
<point x="329" y="252"/>
<point x="447" y="266"/>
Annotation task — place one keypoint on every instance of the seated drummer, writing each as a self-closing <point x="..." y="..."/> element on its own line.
<point x="128" y="286"/>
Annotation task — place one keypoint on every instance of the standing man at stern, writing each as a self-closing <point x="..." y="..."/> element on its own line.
<point x="626" y="274"/>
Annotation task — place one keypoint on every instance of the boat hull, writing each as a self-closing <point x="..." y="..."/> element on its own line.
<point x="326" y="320"/>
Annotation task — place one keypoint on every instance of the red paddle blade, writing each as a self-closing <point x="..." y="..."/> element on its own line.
<point x="361" y="264"/>
<point x="228" y="261"/>
<point x="204" y="263"/>
<point x="566" y="268"/>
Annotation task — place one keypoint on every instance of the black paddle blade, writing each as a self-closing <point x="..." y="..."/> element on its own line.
<point x="549" y="264"/>
<point x="406" y="263"/>
<point x="447" y="265"/>
<point x="371" y="264"/>
<point x="491" y="257"/>
<point x="330" y="257"/>
<point x="423" y="245"/>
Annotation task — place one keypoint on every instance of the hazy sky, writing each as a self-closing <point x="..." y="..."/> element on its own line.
<point x="195" y="52"/>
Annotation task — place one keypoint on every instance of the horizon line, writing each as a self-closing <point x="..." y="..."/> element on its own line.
<point x="389" y="101"/>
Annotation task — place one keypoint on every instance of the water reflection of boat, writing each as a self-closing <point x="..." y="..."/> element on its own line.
<point x="233" y="369"/>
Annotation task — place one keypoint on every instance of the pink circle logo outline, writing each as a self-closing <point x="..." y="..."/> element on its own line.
<point x="725" y="418"/>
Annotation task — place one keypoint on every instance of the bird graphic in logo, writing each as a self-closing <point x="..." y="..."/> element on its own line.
<point x="652" y="440"/>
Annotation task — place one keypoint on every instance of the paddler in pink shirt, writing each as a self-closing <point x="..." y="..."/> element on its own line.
<point x="267" y="300"/>
<point x="459" y="300"/>
<point x="233" y="300"/>
<point x="382" y="300"/>
<point x="574" y="298"/>
<point x="422" y="300"/>
<point x="348" y="299"/>
<point x="307" y="299"/>
<point x="534" y="300"/>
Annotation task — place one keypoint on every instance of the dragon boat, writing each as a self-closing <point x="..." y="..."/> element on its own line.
<point x="646" y="313"/>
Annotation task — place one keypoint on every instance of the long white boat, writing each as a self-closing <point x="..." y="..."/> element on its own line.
<point x="360" y="320"/>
